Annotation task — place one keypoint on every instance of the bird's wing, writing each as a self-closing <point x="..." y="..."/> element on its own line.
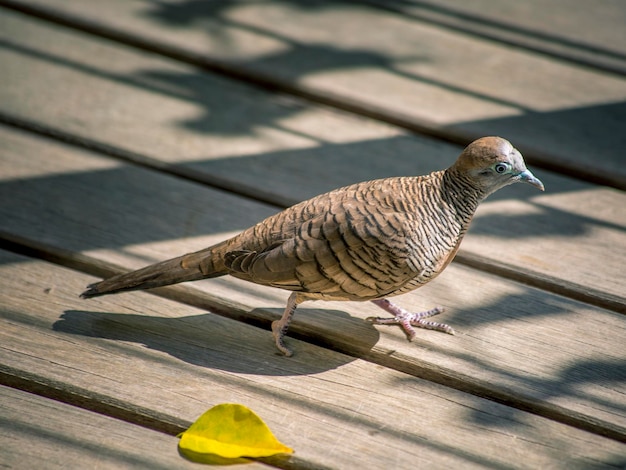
<point x="347" y="252"/>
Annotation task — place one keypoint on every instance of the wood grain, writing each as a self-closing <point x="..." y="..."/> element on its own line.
<point x="565" y="30"/>
<point x="137" y="131"/>
<point x="411" y="73"/>
<point x="297" y="153"/>
<point x="525" y="345"/>
<point x="334" y="409"/>
<point x="41" y="433"/>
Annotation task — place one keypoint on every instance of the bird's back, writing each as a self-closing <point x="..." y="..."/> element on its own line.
<point x="360" y="242"/>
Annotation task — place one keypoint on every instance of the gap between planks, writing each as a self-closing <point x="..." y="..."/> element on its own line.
<point x="114" y="408"/>
<point x="510" y="34"/>
<point x="377" y="355"/>
<point x="554" y="285"/>
<point x="534" y="156"/>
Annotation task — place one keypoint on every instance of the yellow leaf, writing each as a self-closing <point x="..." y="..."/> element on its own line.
<point x="231" y="431"/>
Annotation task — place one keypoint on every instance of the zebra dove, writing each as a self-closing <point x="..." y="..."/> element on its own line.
<point x="367" y="241"/>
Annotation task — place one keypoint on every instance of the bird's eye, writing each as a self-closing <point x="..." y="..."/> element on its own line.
<point x="500" y="167"/>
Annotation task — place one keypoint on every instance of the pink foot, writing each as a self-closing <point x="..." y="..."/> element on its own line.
<point x="407" y="320"/>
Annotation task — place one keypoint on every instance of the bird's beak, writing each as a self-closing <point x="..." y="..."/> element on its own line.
<point x="529" y="178"/>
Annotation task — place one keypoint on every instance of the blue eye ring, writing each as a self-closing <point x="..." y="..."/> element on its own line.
<point x="500" y="168"/>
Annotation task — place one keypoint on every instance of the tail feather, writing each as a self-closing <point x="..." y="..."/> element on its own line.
<point x="190" y="267"/>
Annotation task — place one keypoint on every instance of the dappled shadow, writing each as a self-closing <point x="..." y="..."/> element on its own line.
<point x="214" y="342"/>
<point x="497" y="23"/>
<point x="118" y="207"/>
<point x="299" y="59"/>
<point x="199" y="11"/>
<point x="129" y="206"/>
<point x="545" y="221"/>
<point x="582" y="381"/>
<point x="589" y="136"/>
<point x="202" y="341"/>
<point x="225" y="110"/>
<point x="509" y="309"/>
<point x="593" y="381"/>
<point x="229" y="108"/>
<point x="602" y="376"/>
<point x="298" y="174"/>
<point x="329" y="329"/>
<point x="593" y="136"/>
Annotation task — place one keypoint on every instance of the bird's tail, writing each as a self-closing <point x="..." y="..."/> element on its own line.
<point x="190" y="267"/>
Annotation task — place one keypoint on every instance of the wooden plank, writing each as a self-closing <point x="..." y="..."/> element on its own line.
<point x="568" y="20"/>
<point x="564" y="29"/>
<point x="422" y="76"/>
<point x="253" y="143"/>
<point x="515" y="343"/>
<point x="36" y="432"/>
<point x="335" y="410"/>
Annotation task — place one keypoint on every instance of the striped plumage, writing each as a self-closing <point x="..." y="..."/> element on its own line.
<point x="367" y="241"/>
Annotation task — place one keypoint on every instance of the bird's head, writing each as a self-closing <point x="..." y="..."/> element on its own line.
<point x="491" y="163"/>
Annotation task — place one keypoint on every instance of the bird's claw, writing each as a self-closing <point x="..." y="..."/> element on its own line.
<point x="407" y="320"/>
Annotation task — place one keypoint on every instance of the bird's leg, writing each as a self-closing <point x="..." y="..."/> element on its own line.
<point x="408" y="320"/>
<point x="279" y="327"/>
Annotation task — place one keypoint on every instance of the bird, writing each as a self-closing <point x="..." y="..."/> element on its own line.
<point x="364" y="242"/>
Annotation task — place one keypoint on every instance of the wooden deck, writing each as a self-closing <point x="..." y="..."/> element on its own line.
<point x="134" y="131"/>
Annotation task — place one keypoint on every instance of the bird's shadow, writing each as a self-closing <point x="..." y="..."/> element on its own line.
<point x="212" y="341"/>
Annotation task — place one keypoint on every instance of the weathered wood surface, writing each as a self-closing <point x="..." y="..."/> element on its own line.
<point x="395" y="67"/>
<point x="38" y="432"/>
<point x="565" y="30"/>
<point x="285" y="152"/>
<point x="212" y="153"/>
<point x="173" y="360"/>
<point x="522" y="344"/>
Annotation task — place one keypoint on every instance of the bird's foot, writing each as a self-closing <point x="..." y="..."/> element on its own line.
<point x="407" y="320"/>
<point x="278" y="331"/>
<point x="280" y="327"/>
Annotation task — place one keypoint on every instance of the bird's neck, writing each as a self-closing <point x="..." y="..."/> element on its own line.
<point x="462" y="194"/>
